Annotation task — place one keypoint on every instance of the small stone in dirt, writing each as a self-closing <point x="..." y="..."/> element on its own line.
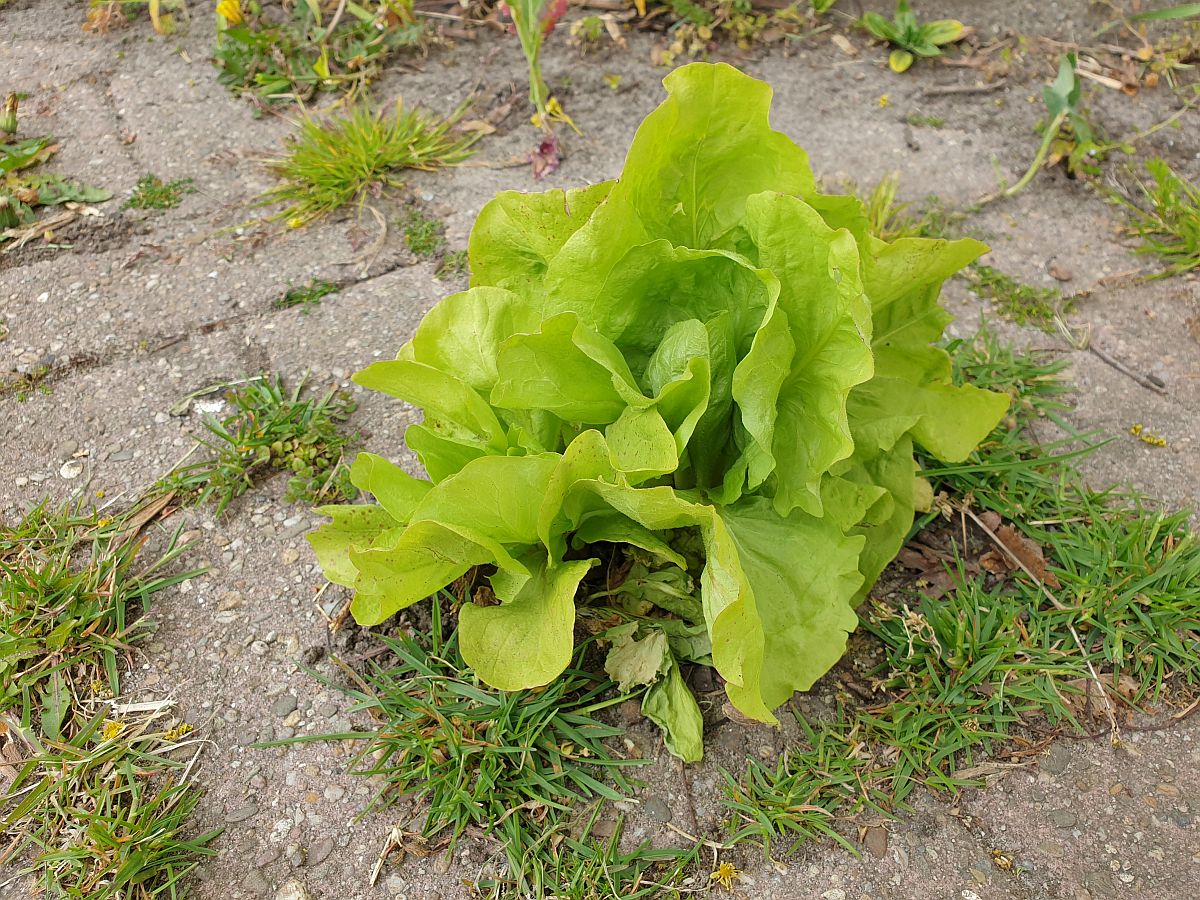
<point x="267" y="857"/>
<point x="259" y="648"/>
<point x="320" y="852"/>
<point x="875" y="838"/>
<point x="333" y="793"/>
<point x="290" y="532"/>
<point x="1063" y="818"/>
<point x="657" y="809"/>
<point x="1056" y="760"/>
<point x="630" y="712"/>
<point x="229" y="600"/>
<point x="242" y="813"/>
<point x="284" y="706"/>
<point x="834" y="894"/>
<point x="293" y="889"/>
<point x="255" y="883"/>
<point x="326" y="710"/>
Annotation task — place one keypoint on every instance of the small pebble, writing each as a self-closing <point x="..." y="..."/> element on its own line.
<point x="320" y="852"/>
<point x="255" y="883"/>
<point x="1063" y="818"/>
<point x="657" y="809"/>
<point x="284" y="706"/>
<point x="293" y="889"/>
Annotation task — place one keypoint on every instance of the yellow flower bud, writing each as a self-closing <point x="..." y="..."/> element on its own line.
<point x="231" y="11"/>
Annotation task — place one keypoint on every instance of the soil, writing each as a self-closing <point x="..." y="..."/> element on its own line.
<point x="162" y="303"/>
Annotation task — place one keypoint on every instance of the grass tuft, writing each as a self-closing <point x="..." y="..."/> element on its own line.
<point x="422" y="234"/>
<point x="798" y="800"/>
<point x="269" y="431"/>
<point x="592" y="867"/>
<point x="73" y="590"/>
<point x="1167" y="218"/>
<point x="94" y="796"/>
<point x="151" y="192"/>
<point x="511" y="763"/>
<point x="454" y="264"/>
<point x="104" y="813"/>
<point x="334" y="162"/>
<point x="307" y="297"/>
<point x="1016" y="301"/>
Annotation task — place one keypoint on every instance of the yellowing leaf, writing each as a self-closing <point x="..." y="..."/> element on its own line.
<point x="899" y="60"/>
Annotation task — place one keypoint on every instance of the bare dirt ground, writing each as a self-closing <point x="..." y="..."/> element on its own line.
<point x="143" y="308"/>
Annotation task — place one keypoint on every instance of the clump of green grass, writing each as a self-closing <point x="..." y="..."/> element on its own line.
<point x="306" y="296"/>
<point x="103" y="814"/>
<point x="334" y="162"/>
<point x="960" y="672"/>
<point x="799" y="799"/>
<point x="590" y="867"/>
<point x="151" y="192"/>
<point x="306" y="52"/>
<point x="73" y="592"/>
<point x="1166" y="218"/>
<point x="887" y="218"/>
<point x="454" y="264"/>
<point x="917" y="120"/>
<point x="99" y="801"/>
<point x="891" y="221"/>
<point x="23" y="385"/>
<point x="425" y="238"/>
<point x="270" y="431"/>
<point x="1015" y="300"/>
<point x="511" y="763"/>
<point x="422" y="234"/>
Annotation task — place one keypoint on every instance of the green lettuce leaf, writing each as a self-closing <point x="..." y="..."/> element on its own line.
<point x="528" y="640"/>
<point x="671" y="706"/>
<point x="803" y="572"/>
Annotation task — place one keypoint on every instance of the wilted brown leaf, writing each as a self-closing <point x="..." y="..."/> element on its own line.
<point x="1030" y="554"/>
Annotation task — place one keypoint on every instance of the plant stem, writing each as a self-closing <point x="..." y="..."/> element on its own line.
<point x="1051" y="134"/>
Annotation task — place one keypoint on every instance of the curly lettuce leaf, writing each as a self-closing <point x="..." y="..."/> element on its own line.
<point x="527" y="640"/>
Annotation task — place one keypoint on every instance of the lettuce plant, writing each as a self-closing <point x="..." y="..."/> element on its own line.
<point x="705" y="362"/>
